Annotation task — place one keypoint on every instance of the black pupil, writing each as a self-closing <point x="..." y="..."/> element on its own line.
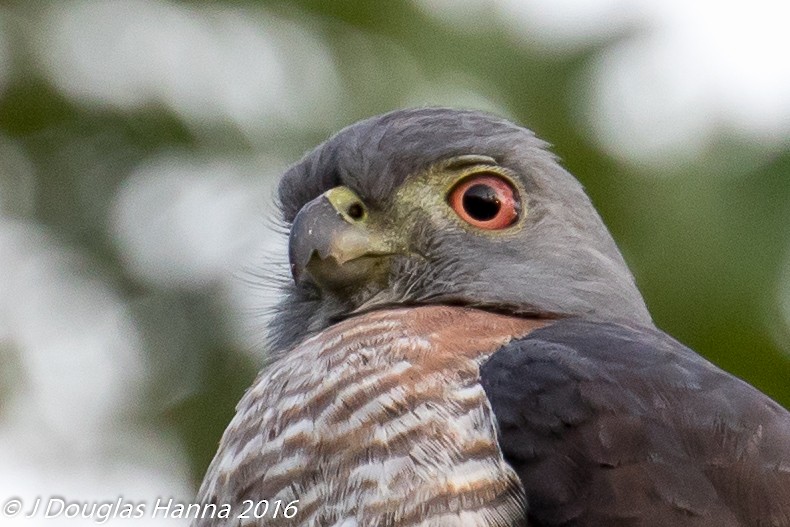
<point x="481" y="202"/>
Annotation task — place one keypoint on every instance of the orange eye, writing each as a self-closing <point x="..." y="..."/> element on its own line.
<point x="485" y="201"/>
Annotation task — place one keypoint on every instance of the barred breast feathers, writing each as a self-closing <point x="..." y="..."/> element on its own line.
<point x="379" y="419"/>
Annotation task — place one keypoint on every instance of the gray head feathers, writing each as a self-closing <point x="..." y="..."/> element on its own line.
<point x="563" y="263"/>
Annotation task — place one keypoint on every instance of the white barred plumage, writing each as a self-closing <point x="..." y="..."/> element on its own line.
<point x="378" y="420"/>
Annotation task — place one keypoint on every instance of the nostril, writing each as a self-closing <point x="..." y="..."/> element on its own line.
<point x="355" y="211"/>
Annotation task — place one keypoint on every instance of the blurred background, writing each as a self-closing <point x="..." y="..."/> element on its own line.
<point x="141" y="140"/>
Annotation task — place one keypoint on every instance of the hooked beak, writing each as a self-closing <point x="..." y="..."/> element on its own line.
<point x="333" y="243"/>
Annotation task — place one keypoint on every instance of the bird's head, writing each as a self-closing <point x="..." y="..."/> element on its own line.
<point x="440" y="206"/>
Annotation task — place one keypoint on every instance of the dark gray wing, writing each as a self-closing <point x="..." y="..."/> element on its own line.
<point x="611" y="425"/>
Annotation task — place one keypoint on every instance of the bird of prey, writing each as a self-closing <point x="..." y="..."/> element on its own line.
<point x="462" y="343"/>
